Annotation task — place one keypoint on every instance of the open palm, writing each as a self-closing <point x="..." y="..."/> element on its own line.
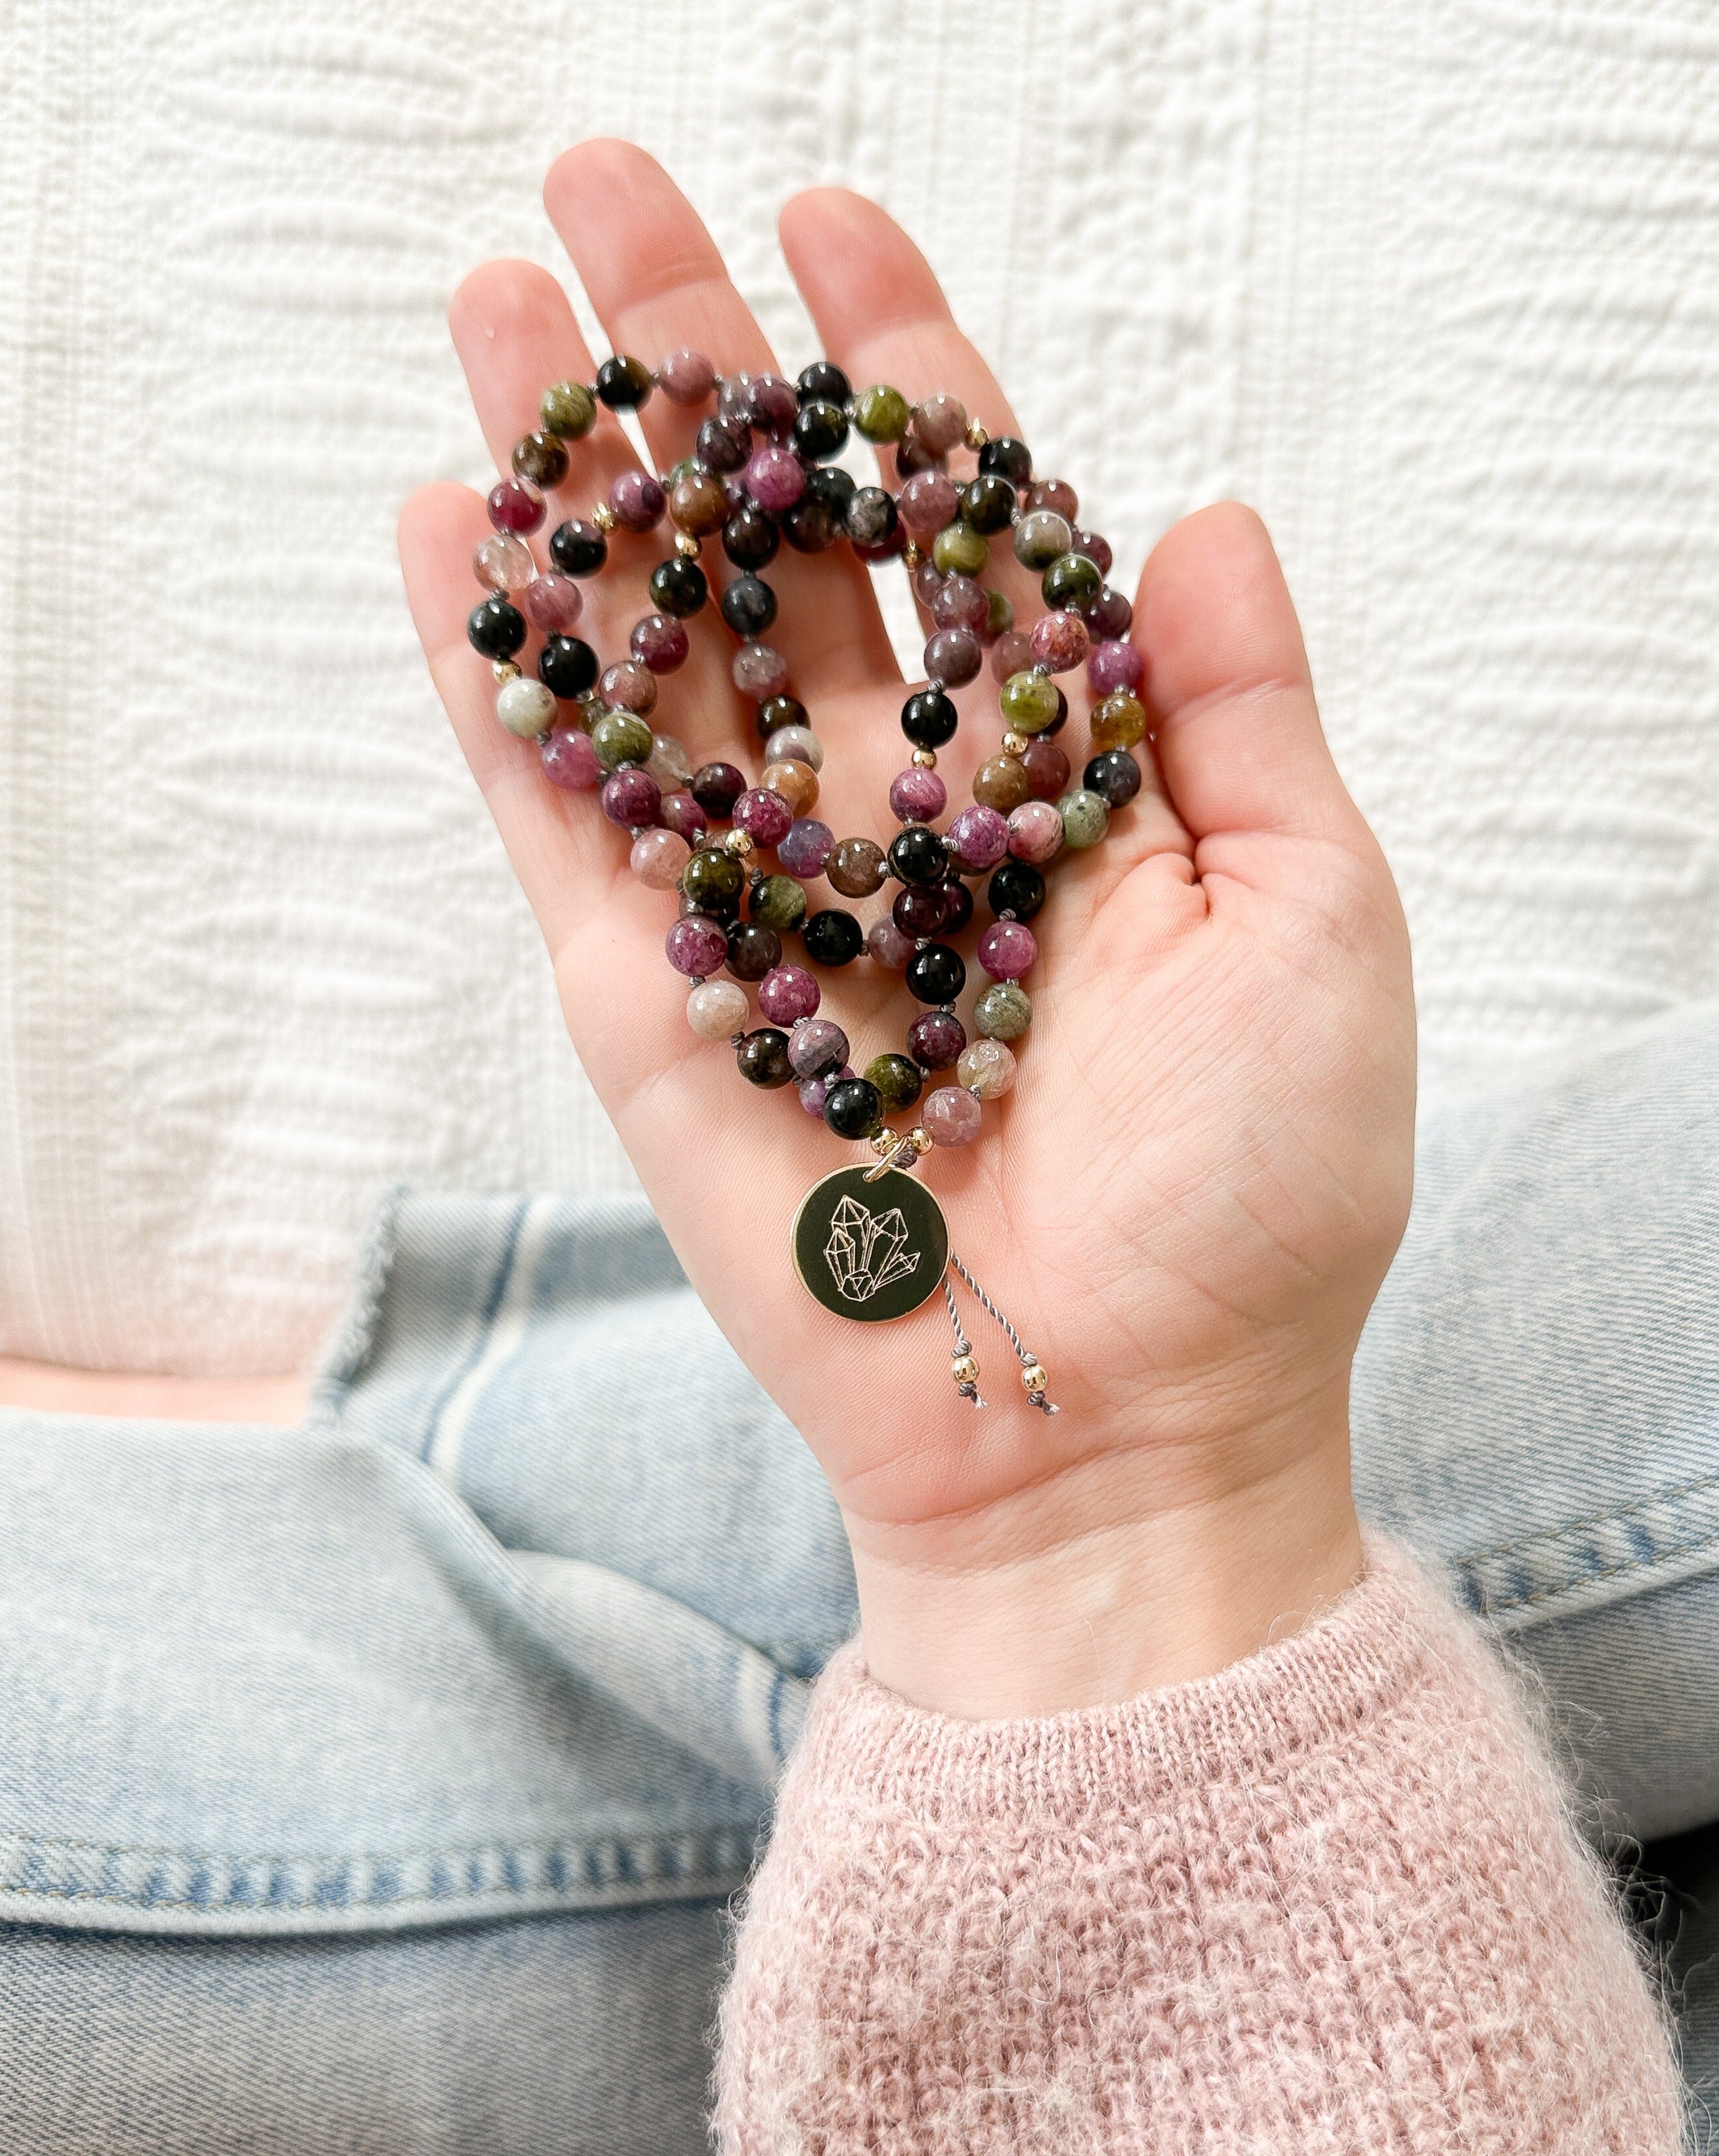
<point x="1189" y="1199"/>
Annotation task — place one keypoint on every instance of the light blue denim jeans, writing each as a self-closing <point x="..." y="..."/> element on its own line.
<point x="377" y="1786"/>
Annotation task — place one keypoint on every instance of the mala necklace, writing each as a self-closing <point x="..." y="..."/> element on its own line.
<point x="759" y="474"/>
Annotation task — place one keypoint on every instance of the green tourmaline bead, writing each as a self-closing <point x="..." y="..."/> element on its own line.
<point x="999" y="610"/>
<point x="779" y="902"/>
<point x="897" y="1080"/>
<point x="1003" y="1012"/>
<point x="1118" y="721"/>
<point x="881" y="413"/>
<point x="621" y="738"/>
<point x="1070" y="581"/>
<point x="568" y="409"/>
<point x="712" y="880"/>
<point x="1086" y="817"/>
<point x="958" y="550"/>
<point x="1028" y="702"/>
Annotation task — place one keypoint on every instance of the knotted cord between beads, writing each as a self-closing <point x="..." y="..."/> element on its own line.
<point x="966" y="1386"/>
<point x="1032" y="1371"/>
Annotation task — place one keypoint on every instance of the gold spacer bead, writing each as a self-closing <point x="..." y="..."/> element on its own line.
<point x="964" y="1368"/>
<point x="920" y="1140"/>
<point x="885" y="1142"/>
<point x="737" y="845"/>
<point x="686" y="547"/>
<point x="977" y="434"/>
<point x="1014" y="744"/>
<point x="603" y="517"/>
<point x="925" y="759"/>
<point x="505" y="671"/>
<point x="911" y="556"/>
<point x="1034" y="1377"/>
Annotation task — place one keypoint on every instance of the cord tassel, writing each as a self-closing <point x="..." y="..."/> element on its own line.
<point x="965" y="1368"/>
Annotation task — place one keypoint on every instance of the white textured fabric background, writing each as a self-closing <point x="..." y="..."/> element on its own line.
<point x="1437" y="287"/>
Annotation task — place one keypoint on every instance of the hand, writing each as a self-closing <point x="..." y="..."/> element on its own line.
<point x="1189" y="1200"/>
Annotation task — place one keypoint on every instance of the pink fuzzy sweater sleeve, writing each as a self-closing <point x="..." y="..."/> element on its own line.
<point x="1328" y="1901"/>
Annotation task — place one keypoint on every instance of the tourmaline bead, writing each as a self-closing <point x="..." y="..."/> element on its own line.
<point x="749" y="538"/>
<point x="987" y="1069"/>
<point x="787" y="993"/>
<point x="1016" y="888"/>
<point x="935" y="1039"/>
<point x="496" y="627"/>
<point x="1110" y="616"/>
<point x="919" y="856"/>
<point x="814" y="1092"/>
<point x="958" y="550"/>
<point x="621" y="738"/>
<point x="897" y="1080"/>
<point x="881" y="413"/>
<point x="681" y="813"/>
<point x="1035" y="833"/>
<point x="503" y="563"/>
<point x="1114" y="776"/>
<point x="568" y="408"/>
<point x="631" y="686"/>
<point x="887" y="946"/>
<point x="940" y="422"/>
<point x="792" y="744"/>
<point x="979" y="837"/>
<point x="716" y="787"/>
<point x="697" y="947"/>
<point x="1000" y="782"/>
<point x="698" y="505"/>
<point x="1059" y="642"/>
<point x="659" y="643"/>
<point x="1052" y="493"/>
<point x="1006" y="454"/>
<point x="771" y="403"/>
<point x="515" y="506"/>
<point x="1070" y="581"/>
<point x="929" y="500"/>
<point x="779" y="711"/>
<point x="1007" y="949"/>
<point x="1047" y="769"/>
<point x="779" y="901"/>
<point x="734" y="399"/>
<point x="823" y="378"/>
<point x="569" y="760"/>
<point x="686" y="377"/>
<point x="1003" y="1012"/>
<point x="541" y="459"/>
<point x="638" y="501"/>
<point x="999" y="618"/>
<point x="832" y="937"/>
<point x="911" y="456"/>
<point x="807" y="847"/>
<point x="764" y="815"/>
<point x="567" y="666"/>
<point x="854" y="1108"/>
<point x="873" y="519"/>
<point x="578" y="547"/>
<point x="959" y="603"/>
<point x="917" y="796"/>
<point x="526" y="707"/>
<point x="957" y="906"/>
<point x="953" y="656"/>
<point x="631" y="798"/>
<point x="1011" y="654"/>
<point x="951" y="1117"/>
<point x="1028" y="702"/>
<point x="748" y="606"/>
<point x="658" y="857"/>
<point x="762" y="1057"/>
<point x="760" y="671"/>
<point x="1116" y="665"/>
<point x="723" y="445"/>
<point x="918" y="913"/>
<point x="816" y="1047"/>
<point x="716" y="1010"/>
<point x="1086" y="817"/>
<point x="1041" y="538"/>
<point x="712" y="880"/>
<point x="856" y="867"/>
<point x="623" y="383"/>
<point x="935" y="973"/>
<point x="1118" y="721"/>
<point x="552" y="603"/>
<point x="775" y="478"/>
<point x="795" y="782"/>
<point x="929" y="718"/>
<point x="1097" y="548"/>
<point x="988" y="503"/>
<point x="820" y="429"/>
<point x="820" y="515"/>
<point x="928" y="582"/>
<point x="753" y="950"/>
<point x="669" y="763"/>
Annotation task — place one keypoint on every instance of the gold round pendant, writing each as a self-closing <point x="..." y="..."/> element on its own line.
<point x="871" y="1250"/>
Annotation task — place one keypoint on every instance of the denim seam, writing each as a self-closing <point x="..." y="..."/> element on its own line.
<point x="469" y="1361"/>
<point x="1490" y="1606"/>
<point x="1667" y="1496"/>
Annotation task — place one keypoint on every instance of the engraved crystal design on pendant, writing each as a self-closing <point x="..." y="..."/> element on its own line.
<point x="867" y="1250"/>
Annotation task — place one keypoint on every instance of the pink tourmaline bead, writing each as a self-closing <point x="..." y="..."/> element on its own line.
<point x="659" y="643"/>
<point x="765" y="816"/>
<point x="1051" y="493"/>
<point x="1034" y="832"/>
<point x="787" y="993"/>
<point x="1097" y="548"/>
<point x="928" y="501"/>
<point x="1011" y="654"/>
<point x="681" y="813"/>
<point x="686" y="377"/>
<point x="658" y="858"/>
<point x="697" y="947"/>
<point x="1007" y="949"/>
<point x="569" y="759"/>
<point x="940" y="422"/>
<point x="552" y="603"/>
<point x="887" y="946"/>
<point x="1059" y="642"/>
<point x="638" y="501"/>
<point x="631" y="798"/>
<point x="814" y="1092"/>
<point x="935" y="1039"/>
<point x="632" y="686"/>
<point x="759" y="671"/>
<point x="514" y="506"/>
<point x="917" y="796"/>
<point x="961" y="604"/>
<point x="927" y="582"/>
<point x="1113" y="667"/>
<point x="816" y="1047"/>
<point x="718" y="1010"/>
<point x="771" y="403"/>
<point x="951" y="1117"/>
<point x="952" y="656"/>
<point x="503" y="563"/>
<point x="1110" y="616"/>
<point x="775" y="478"/>
<point x="807" y="847"/>
<point x="980" y="838"/>
<point x="1047" y="769"/>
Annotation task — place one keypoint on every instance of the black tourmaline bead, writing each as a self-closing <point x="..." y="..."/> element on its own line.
<point x="929" y="718"/>
<point x="957" y="906"/>
<point x="911" y="455"/>
<point x="723" y="445"/>
<point x="748" y="606"/>
<point x="780" y="711"/>
<point x="820" y="515"/>
<point x="762" y="1056"/>
<point x="752" y="950"/>
<point x="820" y="429"/>
<point x="825" y="380"/>
<point x="936" y="974"/>
<point x="854" y="1108"/>
<point x="1009" y="457"/>
<point x="832" y="937"/>
<point x="919" y="912"/>
<point x="1017" y="888"/>
<point x="1073" y="580"/>
<point x="622" y="382"/>
<point x="919" y="856"/>
<point x="496" y="627"/>
<point x="716" y="787"/>
<point x="576" y="548"/>
<point x="678" y="586"/>
<point x="711" y="882"/>
<point x="987" y="502"/>
<point x="568" y="666"/>
<point x="1115" y="775"/>
<point x="750" y="539"/>
<point x="873" y="519"/>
